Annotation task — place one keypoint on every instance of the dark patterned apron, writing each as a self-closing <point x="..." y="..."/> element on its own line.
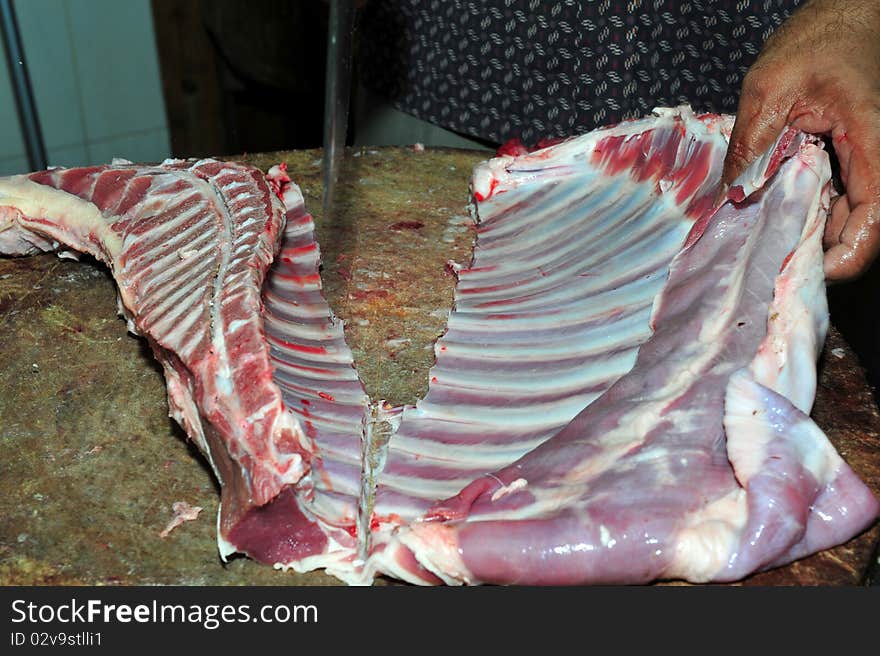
<point x="536" y="69"/>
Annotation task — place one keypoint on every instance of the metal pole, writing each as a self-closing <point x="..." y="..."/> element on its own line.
<point x="337" y="93"/>
<point x="21" y="86"/>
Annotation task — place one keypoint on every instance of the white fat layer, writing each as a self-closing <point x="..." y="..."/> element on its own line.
<point x="225" y="547"/>
<point x="435" y="547"/>
<point x="292" y="196"/>
<point x="385" y="561"/>
<point x="336" y="559"/>
<point x="80" y="221"/>
<point x="817" y="454"/>
<point x="798" y="318"/>
<point x="752" y="427"/>
<point x="123" y="311"/>
<point x="292" y="468"/>
<point x="704" y="546"/>
<point x="487" y="174"/>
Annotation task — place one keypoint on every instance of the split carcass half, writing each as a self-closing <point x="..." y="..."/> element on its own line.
<point x="188" y="244"/>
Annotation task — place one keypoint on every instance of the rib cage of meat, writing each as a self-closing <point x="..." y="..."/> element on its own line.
<point x="188" y="244"/>
<point x="621" y="395"/>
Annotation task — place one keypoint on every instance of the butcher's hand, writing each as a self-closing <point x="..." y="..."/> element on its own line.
<point x="820" y="72"/>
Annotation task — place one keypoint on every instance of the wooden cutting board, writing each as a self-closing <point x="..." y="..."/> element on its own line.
<point x="92" y="464"/>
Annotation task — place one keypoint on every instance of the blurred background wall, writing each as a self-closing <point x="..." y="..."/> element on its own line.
<point x="96" y="82"/>
<point x="150" y="79"/>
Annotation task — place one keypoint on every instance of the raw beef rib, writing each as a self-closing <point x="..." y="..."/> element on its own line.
<point x="188" y="244"/>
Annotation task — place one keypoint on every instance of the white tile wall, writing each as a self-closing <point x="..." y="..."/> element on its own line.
<point x="48" y="47"/>
<point x="14" y="163"/>
<point x="95" y="73"/>
<point x="11" y="144"/>
<point x="116" y="66"/>
<point x="75" y="155"/>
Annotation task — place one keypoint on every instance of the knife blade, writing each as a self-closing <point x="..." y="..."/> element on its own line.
<point x="337" y="92"/>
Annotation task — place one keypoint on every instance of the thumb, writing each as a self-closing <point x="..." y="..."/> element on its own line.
<point x="760" y="119"/>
